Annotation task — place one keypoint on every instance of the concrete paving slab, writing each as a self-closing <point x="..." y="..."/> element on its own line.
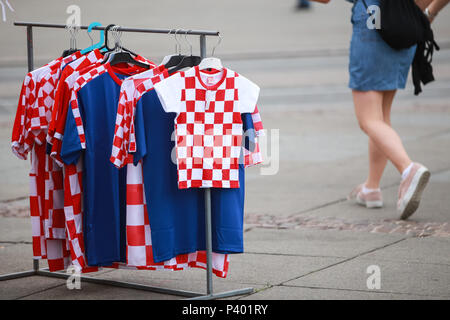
<point x="416" y="250"/>
<point x="190" y="280"/>
<point x="91" y="291"/>
<point x="432" y="207"/>
<point x="17" y="257"/>
<point x="247" y="270"/>
<point x="24" y="287"/>
<point x="320" y="243"/>
<point x="301" y="293"/>
<point x="396" y="277"/>
<point x="15" y="230"/>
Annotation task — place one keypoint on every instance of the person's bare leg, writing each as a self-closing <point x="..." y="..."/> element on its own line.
<point x="369" y="112"/>
<point x="377" y="159"/>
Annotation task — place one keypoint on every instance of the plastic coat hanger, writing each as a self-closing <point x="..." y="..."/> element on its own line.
<point x="105" y="47"/>
<point x="121" y="55"/>
<point x="97" y="45"/>
<point x="212" y="62"/>
<point x="188" y="61"/>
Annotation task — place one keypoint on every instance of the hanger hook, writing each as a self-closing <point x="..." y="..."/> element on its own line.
<point x="89" y="35"/>
<point x="89" y="30"/>
<point x="73" y="30"/>
<point x="105" y="32"/>
<point x="217" y="44"/>
<point x="117" y="34"/>
<point x="185" y="38"/>
<point x="178" y="42"/>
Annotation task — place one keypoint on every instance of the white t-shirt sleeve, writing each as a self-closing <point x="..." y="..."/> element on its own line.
<point x="169" y="93"/>
<point x="248" y="94"/>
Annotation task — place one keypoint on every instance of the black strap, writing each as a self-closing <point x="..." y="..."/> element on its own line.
<point x="365" y="4"/>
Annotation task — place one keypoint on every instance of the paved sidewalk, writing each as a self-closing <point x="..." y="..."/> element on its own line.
<point x="303" y="239"/>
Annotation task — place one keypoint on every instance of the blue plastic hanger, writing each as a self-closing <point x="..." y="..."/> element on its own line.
<point x="97" y="45"/>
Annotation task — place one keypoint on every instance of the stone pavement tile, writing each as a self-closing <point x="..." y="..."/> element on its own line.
<point x="396" y="277"/>
<point x="434" y="206"/>
<point x="91" y="291"/>
<point x="246" y="270"/>
<point x="301" y="293"/>
<point x="190" y="280"/>
<point x="16" y="258"/>
<point x="431" y="250"/>
<point x="310" y="242"/>
<point x="18" y="288"/>
<point x="15" y="230"/>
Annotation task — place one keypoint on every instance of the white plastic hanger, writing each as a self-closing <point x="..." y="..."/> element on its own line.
<point x="212" y="62"/>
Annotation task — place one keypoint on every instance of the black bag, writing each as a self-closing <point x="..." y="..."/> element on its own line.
<point x="402" y="25"/>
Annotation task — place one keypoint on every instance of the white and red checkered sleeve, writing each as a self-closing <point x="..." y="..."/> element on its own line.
<point x="248" y="93"/>
<point x="170" y="92"/>
<point x="74" y="138"/>
<point x="257" y="122"/>
<point x="18" y="132"/>
<point x="121" y="138"/>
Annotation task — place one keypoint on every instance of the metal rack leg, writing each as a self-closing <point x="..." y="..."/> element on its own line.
<point x="122" y="284"/>
<point x="17" y="275"/>
<point x="209" y="279"/>
<point x="30" y="57"/>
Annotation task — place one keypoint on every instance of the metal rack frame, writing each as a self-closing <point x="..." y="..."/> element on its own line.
<point x="209" y="279"/>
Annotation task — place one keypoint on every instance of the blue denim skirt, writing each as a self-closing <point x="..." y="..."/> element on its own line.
<point x="374" y="65"/>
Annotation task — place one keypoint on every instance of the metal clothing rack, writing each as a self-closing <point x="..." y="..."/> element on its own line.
<point x="209" y="280"/>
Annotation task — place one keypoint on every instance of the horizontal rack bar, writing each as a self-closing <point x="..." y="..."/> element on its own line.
<point x="125" y="29"/>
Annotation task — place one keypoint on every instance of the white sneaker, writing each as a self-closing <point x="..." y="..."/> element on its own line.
<point x="410" y="190"/>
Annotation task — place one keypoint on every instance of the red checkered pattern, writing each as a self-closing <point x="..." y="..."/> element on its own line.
<point x="208" y="127"/>
<point x="131" y="91"/>
<point x="82" y="80"/>
<point x="42" y="110"/>
<point x="54" y="220"/>
<point x="23" y="140"/>
<point x="182" y="262"/>
<point x="61" y="93"/>
<point x="55" y="251"/>
<point x="257" y="122"/>
<point x="54" y="201"/>
<point x="37" y="227"/>
<point x="45" y="185"/>
<point x="73" y="194"/>
<point x="139" y="245"/>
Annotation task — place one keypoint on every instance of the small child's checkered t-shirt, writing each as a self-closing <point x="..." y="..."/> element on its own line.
<point x="208" y="125"/>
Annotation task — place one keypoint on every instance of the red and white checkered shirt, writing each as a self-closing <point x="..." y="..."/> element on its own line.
<point x="132" y="89"/>
<point x="208" y="125"/>
<point x="27" y="136"/>
<point x="54" y="220"/>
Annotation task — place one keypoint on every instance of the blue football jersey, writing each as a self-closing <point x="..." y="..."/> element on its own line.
<point x="177" y="216"/>
<point x="104" y="186"/>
